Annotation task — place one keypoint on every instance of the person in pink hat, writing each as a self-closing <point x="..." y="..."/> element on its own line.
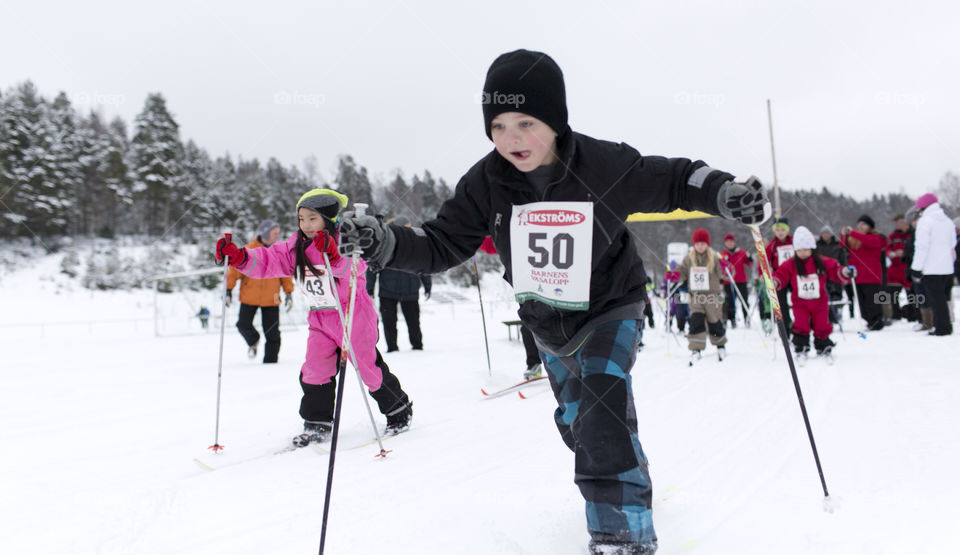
<point x="933" y="260"/>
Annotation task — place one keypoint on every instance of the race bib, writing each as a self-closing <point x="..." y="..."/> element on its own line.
<point x="318" y="290"/>
<point x="699" y="279"/>
<point x="784" y="253"/>
<point x="551" y="247"/>
<point x="809" y="286"/>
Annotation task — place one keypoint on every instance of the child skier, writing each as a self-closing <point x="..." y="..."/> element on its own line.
<point x="807" y="273"/>
<point x="555" y="203"/>
<point x="703" y="270"/>
<point x="302" y="256"/>
<point x="779" y="250"/>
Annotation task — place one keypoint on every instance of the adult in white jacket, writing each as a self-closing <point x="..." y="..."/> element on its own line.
<point x="936" y="238"/>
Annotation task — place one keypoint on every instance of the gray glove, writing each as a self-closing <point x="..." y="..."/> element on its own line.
<point x="288" y="302"/>
<point x="369" y="236"/>
<point x="848" y="272"/>
<point x="229" y="297"/>
<point x="745" y="201"/>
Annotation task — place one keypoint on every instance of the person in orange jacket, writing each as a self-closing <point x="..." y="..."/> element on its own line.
<point x="263" y="294"/>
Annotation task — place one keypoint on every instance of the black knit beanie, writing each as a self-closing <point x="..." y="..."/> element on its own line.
<point x="867" y="220"/>
<point x="527" y="82"/>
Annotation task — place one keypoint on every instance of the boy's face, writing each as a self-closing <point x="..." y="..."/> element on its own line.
<point x="862" y="227"/>
<point x="272" y="237"/>
<point x="729" y="243"/>
<point x="525" y="141"/>
<point x="310" y="221"/>
<point x="700" y="247"/>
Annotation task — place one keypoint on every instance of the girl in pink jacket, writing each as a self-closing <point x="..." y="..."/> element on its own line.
<point x="302" y="256"/>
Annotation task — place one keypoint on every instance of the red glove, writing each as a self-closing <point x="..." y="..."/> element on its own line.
<point x="672" y="276"/>
<point x="726" y="266"/>
<point x="324" y="242"/>
<point x="225" y="247"/>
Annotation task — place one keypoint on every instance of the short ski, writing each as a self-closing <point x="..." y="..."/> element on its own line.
<point x="511" y="389"/>
<point x="216" y="461"/>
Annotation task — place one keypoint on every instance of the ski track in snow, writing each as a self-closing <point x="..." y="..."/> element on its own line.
<point x="101" y="422"/>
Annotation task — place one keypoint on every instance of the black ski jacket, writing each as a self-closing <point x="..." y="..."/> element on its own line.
<point x="615" y="177"/>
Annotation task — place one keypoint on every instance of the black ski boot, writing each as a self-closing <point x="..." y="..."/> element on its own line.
<point x="399" y="420"/>
<point x="824" y="346"/>
<point x="313" y="432"/>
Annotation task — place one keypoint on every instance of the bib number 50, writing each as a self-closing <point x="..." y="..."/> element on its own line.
<point x="561" y="253"/>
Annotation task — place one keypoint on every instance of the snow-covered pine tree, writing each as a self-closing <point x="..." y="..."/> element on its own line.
<point x="156" y="160"/>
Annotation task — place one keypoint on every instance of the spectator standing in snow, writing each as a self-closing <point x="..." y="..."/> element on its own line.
<point x="401" y="288"/>
<point x="262" y="295"/>
<point x="739" y="260"/>
<point x="934" y="259"/>
<point x="828" y="245"/>
<point x="866" y="255"/>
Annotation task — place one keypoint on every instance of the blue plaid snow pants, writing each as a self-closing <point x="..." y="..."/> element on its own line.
<point x="598" y="422"/>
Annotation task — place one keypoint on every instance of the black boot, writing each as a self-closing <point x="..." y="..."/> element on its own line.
<point x="399" y="420"/>
<point x="823" y="346"/>
<point x="313" y="432"/>
<point x="801" y="343"/>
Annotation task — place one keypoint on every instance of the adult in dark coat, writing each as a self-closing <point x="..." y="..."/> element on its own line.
<point x="403" y="288"/>
<point x="829" y="245"/>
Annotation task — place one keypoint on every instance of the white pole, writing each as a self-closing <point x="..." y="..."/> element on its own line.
<point x="773" y="156"/>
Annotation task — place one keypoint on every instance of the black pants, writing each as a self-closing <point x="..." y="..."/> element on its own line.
<point x="938" y="292"/>
<point x="871" y="304"/>
<point x="269" y="320"/>
<point x="411" y="314"/>
<point x="848" y="289"/>
<point x="318" y="401"/>
<point x="530" y="346"/>
<point x="785" y="309"/>
<point x="731" y="301"/>
<point x="894" y="291"/>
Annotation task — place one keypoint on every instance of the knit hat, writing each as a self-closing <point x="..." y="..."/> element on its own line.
<point x="867" y="220"/>
<point x="782" y="223"/>
<point x="265" y="227"/>
<point x="701" y="235"/>
<point x="911" y="214"/>
<point x="729" y="237"/>
<point x="527" y="82"/>
<point x="803" y="239"/>
<point x="326" y="202"/>
<point x="828" y="229"/>
<point x="926" y="200"/>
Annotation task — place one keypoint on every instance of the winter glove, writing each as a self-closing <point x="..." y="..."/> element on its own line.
<point x="228" y="298"/>
<point x="288" y="302"/>
<point x="915" y="276"/>
<point x="726" y="266"/>
<point x="325" y="243"/>
<point x="744" y="201"/>
<point x="848" y="272"/>
<point x="672" y="276"/>
<point x="225" y="247"/>
<point x="368" y="236"/>
<point x="426" y="295"/>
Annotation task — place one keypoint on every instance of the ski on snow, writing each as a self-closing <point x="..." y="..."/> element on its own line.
<point x="511" y="389"/>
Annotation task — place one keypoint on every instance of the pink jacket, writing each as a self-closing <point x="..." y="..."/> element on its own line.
<point x="326" y="331"/>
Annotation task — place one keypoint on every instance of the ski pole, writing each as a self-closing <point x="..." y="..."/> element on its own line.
<point x="483" y="316"/>
<point x="778" y="315"/>
<point x="856" y="301"/>
<point x="733" y="285"/>
<point x="226" y="269"/>
<point x="348" y="347"/>
<point x="341" y="370"/>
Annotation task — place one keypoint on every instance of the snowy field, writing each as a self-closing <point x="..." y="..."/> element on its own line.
<point x="100" y="422"/>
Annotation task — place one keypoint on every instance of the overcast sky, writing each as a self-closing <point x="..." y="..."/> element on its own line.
<point x="865" y="93"/>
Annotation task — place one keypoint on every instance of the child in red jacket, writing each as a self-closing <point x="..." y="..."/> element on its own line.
<point x="807" y="273"/>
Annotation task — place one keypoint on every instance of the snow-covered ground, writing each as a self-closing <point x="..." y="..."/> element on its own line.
<point x="100" y="422"/>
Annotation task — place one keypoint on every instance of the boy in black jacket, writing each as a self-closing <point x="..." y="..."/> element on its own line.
<point x="555" y="203"/>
